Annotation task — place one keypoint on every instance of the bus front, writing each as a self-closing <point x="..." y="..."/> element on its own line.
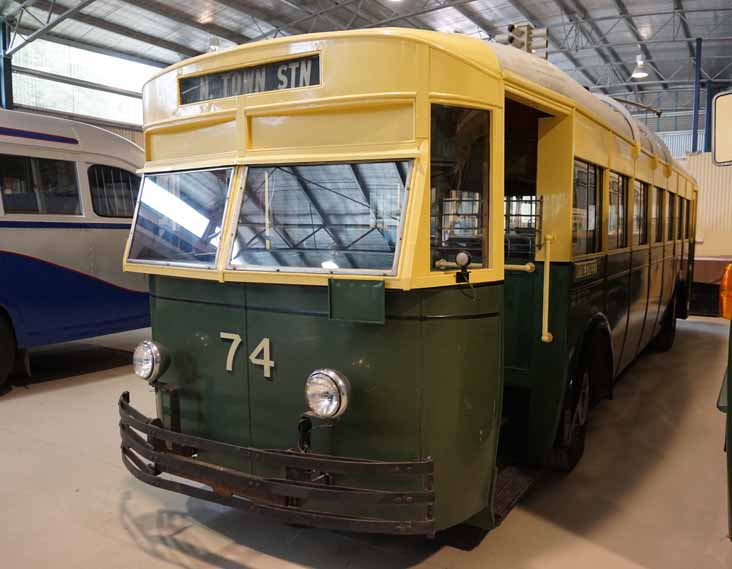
<point x="326" y="280"/>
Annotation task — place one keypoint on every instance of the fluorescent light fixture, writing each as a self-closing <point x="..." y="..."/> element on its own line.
<point x="640" y="68"/>
<point x="330" y="265"/>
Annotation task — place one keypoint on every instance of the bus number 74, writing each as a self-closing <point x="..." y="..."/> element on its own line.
<point x="262" y="349"/>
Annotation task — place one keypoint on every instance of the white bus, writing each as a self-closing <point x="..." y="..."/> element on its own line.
<point x="67" y="195"/>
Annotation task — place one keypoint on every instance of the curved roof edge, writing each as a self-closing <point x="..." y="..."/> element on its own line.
<point x="81" y="137"/>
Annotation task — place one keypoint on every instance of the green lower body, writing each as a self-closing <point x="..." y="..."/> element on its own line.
<point x="426" y="384"/>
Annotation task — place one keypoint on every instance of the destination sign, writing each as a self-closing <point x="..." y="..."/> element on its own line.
<point x="289" y="74"/>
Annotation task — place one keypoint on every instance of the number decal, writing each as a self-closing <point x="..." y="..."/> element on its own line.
<point x="235" y="343"/>
<point x="265" y="362"/>
<point x="262" y="349"/>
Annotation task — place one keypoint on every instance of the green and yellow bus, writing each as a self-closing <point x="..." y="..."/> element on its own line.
<point x="390" y="272"/>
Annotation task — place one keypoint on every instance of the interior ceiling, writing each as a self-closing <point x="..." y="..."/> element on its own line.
<point x="595" y="41"/>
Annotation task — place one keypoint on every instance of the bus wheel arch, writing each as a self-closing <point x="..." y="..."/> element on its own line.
<point x="8" y="345"/>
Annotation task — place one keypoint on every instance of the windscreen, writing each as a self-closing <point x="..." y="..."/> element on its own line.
<point x="331" y="217"/>
<point x="180" y="216"/>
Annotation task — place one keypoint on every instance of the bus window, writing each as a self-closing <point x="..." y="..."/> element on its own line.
<point x="670" y="212"/>
<point x="640" y="213"/>
<point x="39" y="185"/>
<point x="180" y="217"/>
<point x="681" y="211"/>
<point x="459" y="184"/>
<point x="616" y="212"/>
<point x="113" y="191"/>
<point x="586" y="208"/>
<point x="345" y="216"/>
<point x="687" y="219"/>
<point x="657" y="216"/>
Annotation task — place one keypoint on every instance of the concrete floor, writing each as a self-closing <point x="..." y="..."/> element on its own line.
<point x="650" y="491"/>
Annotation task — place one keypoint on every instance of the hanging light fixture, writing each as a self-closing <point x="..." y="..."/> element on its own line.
<point x="640" y="68"/>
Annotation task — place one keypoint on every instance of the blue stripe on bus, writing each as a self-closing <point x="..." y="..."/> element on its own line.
<point x="18" y="133"/>
<point x="49" y="303"/>
<point x="63" y="225"/>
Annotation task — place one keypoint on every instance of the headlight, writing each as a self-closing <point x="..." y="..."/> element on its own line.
<point x="327" y="392"/>
<point x="149" y="360"/>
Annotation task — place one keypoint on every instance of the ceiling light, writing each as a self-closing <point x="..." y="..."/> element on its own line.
<point x="329" y="265"/>
<point x="213" y="45"/>
<point x="640" y="68"/>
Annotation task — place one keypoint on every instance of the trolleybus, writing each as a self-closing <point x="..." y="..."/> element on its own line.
<point x="67" y="195"/>
<point x="389" y="269"/>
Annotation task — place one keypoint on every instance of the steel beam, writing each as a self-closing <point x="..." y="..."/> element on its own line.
<point x="601" y="37"/>
<point x="697" y="97"/>
<point x="182" y="17"/>
<point x="478" y="20"/>
<point x="40" y="32"/>
<point x="112" y="52"/>
<point x="708" y="118"/>
<point x="679" y="7"/>
<point x="637" y="35"/>
<point x="551" y="37"/>
<point x="259" y="13"/>
<point x="6" y="68"/>
<point x="76" y="82"/>
<point x="121" y="30"/>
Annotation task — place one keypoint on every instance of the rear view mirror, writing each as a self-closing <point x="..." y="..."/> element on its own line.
<point x="722" y="129"/>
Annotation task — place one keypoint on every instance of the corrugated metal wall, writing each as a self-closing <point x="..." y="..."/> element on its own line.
<point x="714" y="217"/>
<point x="679" y="142"/>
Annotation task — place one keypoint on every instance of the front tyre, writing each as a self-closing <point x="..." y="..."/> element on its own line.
<point x="7" y="349"/>
<point x="570" y="444"/>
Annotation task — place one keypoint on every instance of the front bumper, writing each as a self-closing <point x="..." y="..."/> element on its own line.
<point x="310" y="478"/>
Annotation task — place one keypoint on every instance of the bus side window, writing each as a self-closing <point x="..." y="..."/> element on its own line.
<point x="459" y="183"/>
<point x="617" y="236"/>
<point x="586" y="208"/>
<point x="39" y="185"/>
<point x="113" y="191"/>
<point x="680" y="214"/>
<point x="670" y="213"/>
<point x="16" y="185"/>
<point x="657" y="216"/>
<point x="640" y="213"/>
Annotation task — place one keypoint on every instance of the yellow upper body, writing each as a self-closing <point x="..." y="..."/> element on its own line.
<point x="372" y="102"/>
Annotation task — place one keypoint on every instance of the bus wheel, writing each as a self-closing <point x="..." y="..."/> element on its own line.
<point x="7" y="349"/>
<point x="570" y="444"/>
<point x="664" y="341"/>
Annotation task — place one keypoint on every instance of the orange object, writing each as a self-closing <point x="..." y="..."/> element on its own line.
<point x="725" y="293"/>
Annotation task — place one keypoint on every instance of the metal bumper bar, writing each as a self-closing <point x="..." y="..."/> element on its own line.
<point x="164" y="451"/>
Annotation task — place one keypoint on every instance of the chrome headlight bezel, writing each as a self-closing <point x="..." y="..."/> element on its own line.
<point x="159" y="356"/>
<point x="341" y="387"/>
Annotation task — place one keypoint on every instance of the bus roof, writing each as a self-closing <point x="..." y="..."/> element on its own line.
<point x="42" y="131"/>
<point x="492" y="58"/>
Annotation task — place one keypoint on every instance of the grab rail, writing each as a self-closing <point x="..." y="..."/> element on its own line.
<point x="525" y="268"/>
<point x="546" y="335"/>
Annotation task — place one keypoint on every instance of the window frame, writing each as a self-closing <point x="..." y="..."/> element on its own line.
<point x="659" y="222"/>
<point x="243" y="172"/>
<point x="599" y="243"/>
<point x="178" y="264"/>
<point x="77" y="183"/>
<point x="624" y="186"/>
<point x="645" y="186"/>
<point x="486" y="221"/>
<point x="90" y="166"/>
<point x="670" y="215"/>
